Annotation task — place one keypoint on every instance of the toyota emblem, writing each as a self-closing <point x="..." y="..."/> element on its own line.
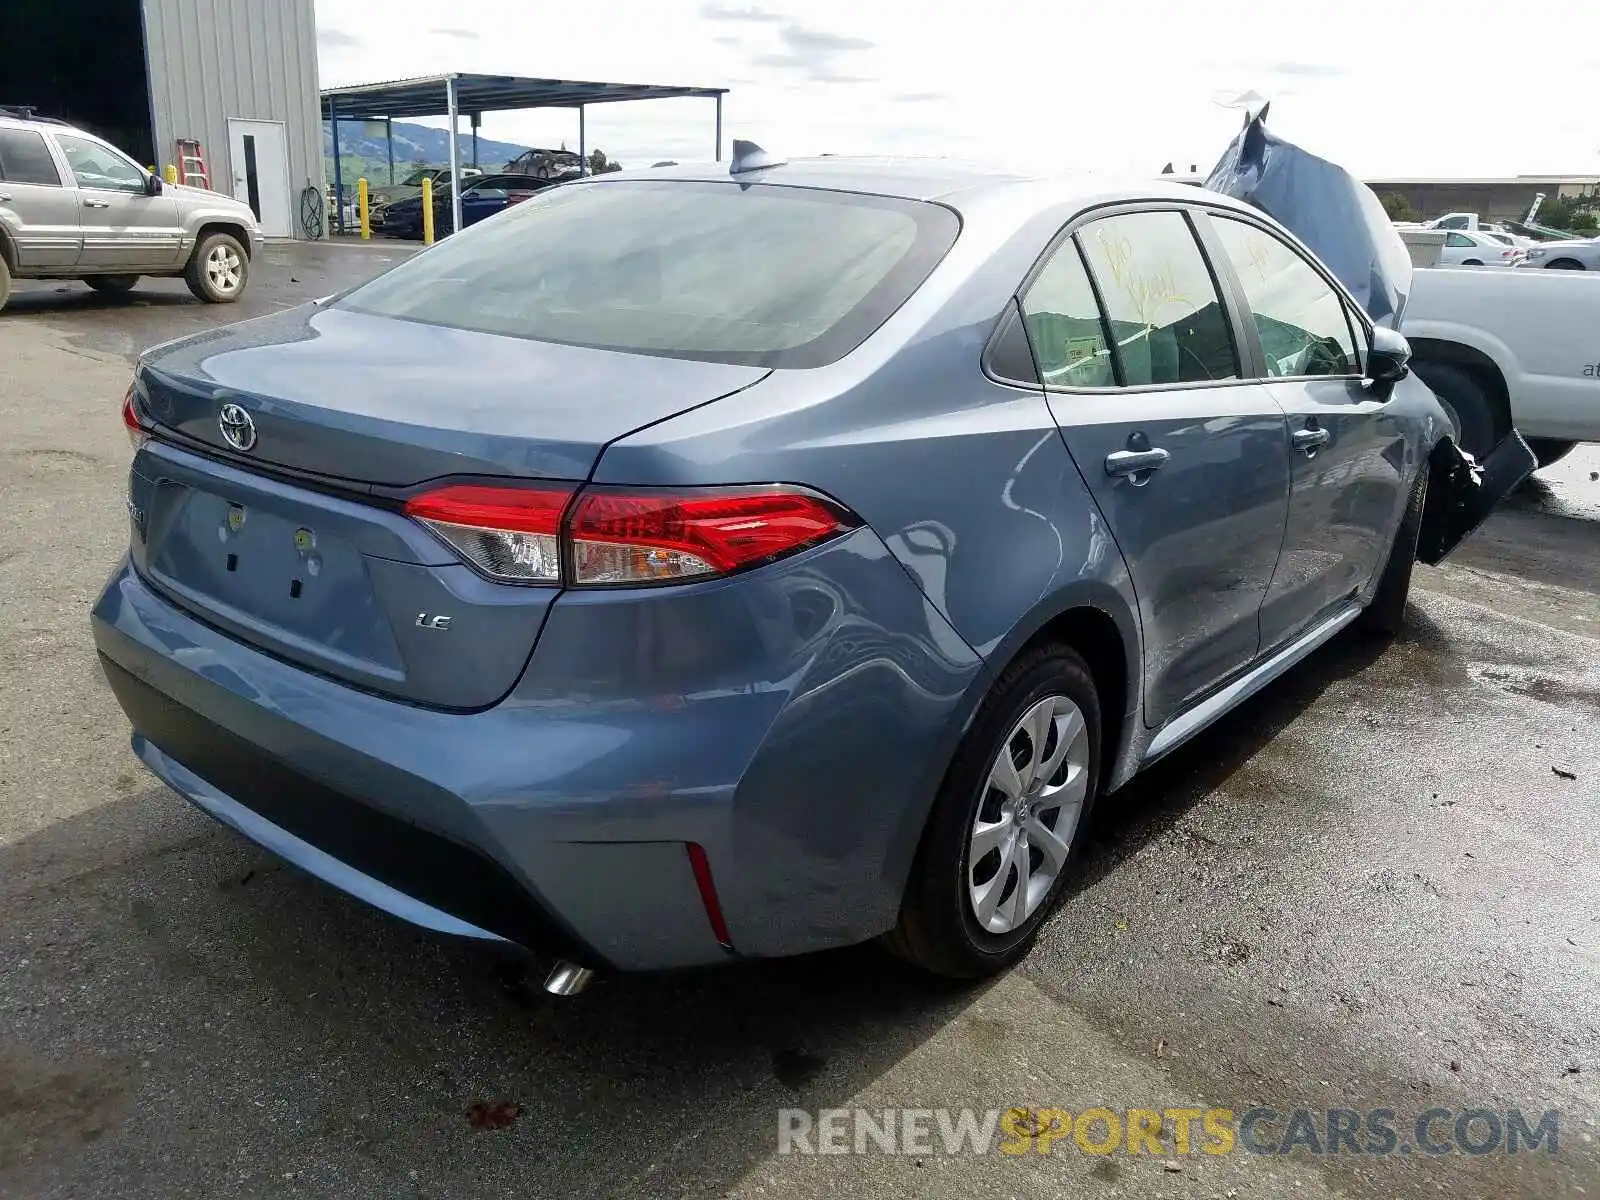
<point x="238" y="430"/>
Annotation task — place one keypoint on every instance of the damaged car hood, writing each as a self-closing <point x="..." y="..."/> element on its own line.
<point x="1336" y="215"/>
<point x="1342" y="222"/>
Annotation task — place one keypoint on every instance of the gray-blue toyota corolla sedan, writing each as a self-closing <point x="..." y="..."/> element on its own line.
<point x="689" y="565"/>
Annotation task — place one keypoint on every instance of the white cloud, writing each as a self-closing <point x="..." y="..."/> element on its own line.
<point x="1384" y="89"/>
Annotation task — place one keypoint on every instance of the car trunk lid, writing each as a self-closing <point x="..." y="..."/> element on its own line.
<point x="296" y="543"/>
<point x="377" y="400"/>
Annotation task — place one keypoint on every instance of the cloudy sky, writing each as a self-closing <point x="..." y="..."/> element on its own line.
<point x="1386" y="87"/>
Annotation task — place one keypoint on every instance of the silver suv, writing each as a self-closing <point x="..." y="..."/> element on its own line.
<point x="74" y="207"/>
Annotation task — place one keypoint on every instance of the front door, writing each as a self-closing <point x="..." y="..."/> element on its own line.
<point x="124" y="227"/>
<point x="1188" y="462"/>
<point x="259" y="156"/>
<point x="1347" y="450"/>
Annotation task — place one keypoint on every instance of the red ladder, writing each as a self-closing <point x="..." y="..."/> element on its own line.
<point x="192" y="164"/>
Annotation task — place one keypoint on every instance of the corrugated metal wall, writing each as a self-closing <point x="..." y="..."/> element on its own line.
<point x="245" y="59"/>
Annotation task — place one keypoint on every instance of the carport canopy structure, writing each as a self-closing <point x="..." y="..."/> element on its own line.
<point x="451" y="95"/>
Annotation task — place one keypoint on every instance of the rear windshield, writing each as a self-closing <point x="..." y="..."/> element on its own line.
<point x="759" y="275"/>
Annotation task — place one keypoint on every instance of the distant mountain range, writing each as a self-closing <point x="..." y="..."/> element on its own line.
<point x="412" y="144"/>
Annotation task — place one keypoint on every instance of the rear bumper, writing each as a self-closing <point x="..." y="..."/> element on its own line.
<point x="559" y="820"/>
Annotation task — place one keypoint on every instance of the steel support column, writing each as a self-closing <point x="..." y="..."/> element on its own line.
<point x="455" y="155"/>
<point x="338" y="175"/>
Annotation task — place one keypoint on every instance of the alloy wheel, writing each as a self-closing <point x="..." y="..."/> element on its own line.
<point x="223" y="269"/>
<point x="1028" y="814"/>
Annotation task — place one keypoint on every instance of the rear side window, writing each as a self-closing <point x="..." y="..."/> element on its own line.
<point x="755" y="274"/>
<point x="24" y="158"/>
<point x="1166" y="321"/>
<point x="1302" y="322"/>
<point x="1070" y="342"/>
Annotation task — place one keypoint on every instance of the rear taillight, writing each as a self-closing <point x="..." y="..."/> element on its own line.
<point x="652" y="537"/>
<point x="510" y="533"/>
<point x="137" y="434"/>
<point x="625" y="536"/>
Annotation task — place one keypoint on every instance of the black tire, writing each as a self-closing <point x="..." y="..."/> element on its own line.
<point x="5" y="281"/>
<point x="937" y="929"/>
<point x="112" y="285"/>
<point x="204" y="282"/>
<point x="1472" y="262"/>
<point x="1466" y="402"/>
<point x="1549" y="451"/>
<point x="1565" y="264"/>
<point x="1386" y="613"/>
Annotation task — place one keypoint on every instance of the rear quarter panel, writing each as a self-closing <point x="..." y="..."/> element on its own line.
<point x="1540" y="328"/>
<point x="965" y="479"/>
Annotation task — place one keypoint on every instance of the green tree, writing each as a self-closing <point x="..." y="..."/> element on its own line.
<point x="1577" y="213"/>
<point x="1398" y="207"/>
<point x="599" y="164"/>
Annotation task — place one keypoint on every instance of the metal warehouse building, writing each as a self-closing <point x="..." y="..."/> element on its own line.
<point x="237" y="76"/>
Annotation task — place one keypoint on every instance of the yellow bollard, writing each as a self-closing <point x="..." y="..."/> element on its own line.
<point x="361" y="201"/>
<point x="427" y="212"/>
<point x="169" y="173"/>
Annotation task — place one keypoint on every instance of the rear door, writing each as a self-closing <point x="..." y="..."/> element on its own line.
<point x="124" y="227"/>
<point x="39" y="214"/>
<point x="1186" y="456"/>
<point x="1458" y="247"/>
<point x="1347" y="449"/>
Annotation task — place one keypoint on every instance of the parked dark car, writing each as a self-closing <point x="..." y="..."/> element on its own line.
<point x="546" y="164"/>
<point x="480" y="198"/>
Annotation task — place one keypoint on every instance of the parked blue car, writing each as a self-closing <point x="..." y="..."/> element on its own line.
<point x="713" y="567"/>
<point x="481" y="198"/>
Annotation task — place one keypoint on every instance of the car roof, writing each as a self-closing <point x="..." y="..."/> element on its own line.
<point x="953" y="182"/>
<point x="494" y="176"/>
<point x="14" y="122"/>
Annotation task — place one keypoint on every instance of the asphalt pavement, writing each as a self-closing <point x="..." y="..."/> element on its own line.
<point x="1377" y="886"/>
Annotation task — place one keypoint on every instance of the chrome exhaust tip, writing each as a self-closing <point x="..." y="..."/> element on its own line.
<point x="567" y="979"/>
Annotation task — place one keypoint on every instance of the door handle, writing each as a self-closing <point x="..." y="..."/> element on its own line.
<point x="1308" y="440"/>
<point x="1132" y="462"/>
<point x="97" y="204"/>
<point x="5" y="199"/>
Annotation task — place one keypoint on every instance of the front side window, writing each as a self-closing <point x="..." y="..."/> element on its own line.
<point x="1065" y="326"/>
<point x="1301" y="320"/>
<point x="1167" y="323"/>
<point x="24" y="158"/>
<point x="97" y="166"/>
<point x="723" y="272"/>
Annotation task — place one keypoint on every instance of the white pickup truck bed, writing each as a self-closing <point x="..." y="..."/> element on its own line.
<point x="1510" y="347"/>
